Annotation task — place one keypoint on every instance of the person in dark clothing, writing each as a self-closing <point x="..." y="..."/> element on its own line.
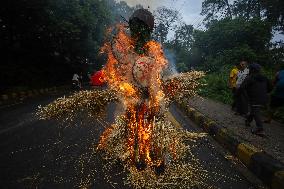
<point x="277" y="95"/>
<point x="257" y="88"/>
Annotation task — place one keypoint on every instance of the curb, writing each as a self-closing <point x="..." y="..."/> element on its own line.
<point x="6" y="99"/>
<point x="264" y="166"/>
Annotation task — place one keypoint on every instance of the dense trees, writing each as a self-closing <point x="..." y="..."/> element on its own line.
<point x="235" y="30"/>
<point x="227" y="41"/>
<point x="43" y="42"/>
<point x="271" y="11"/>
<point x="274" y="11"/>
<point x="166" y="19"/>
<point x="214" y="9"/>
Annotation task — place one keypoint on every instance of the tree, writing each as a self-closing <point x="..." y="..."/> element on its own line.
<point x="229" y="40"/>
<point x="271" y="11"/>
<point x="183" y="36"/>
<point x="274" y="11"/>
<point x="45" y="41"/>
<point x="247" y="9"/>
<point x="216" y="9"/>
<point x="165" y="20"/>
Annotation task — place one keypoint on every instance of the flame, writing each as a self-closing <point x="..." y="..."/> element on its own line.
<point x="137" y="79"/>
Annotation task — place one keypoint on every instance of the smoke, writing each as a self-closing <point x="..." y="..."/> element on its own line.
<point x="145" y="3"/>
<point x="171" y="70"/>
<point x="151" y="4"/>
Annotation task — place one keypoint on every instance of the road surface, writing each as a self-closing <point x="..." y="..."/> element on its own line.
<point x="46" y="154"/>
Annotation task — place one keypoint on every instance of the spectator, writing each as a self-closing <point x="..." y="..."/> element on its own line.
<point x="257" y="87"/>
<point x="89" y="75"/>
<point x="241" y="96"/>
<point x="76" y="81"/>
<point x="232" y="83"/>
<point x="81" y="79"/>
<point x="242" y="74"/>
<point x="277" y="96"/>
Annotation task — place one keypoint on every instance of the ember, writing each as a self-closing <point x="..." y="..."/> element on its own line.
<point x="136" y="78"/>
<point x="141" y="138"/>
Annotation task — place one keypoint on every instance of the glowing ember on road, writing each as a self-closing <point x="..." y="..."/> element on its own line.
<point x="137" y="80"/>
<point x="141" y="138"/>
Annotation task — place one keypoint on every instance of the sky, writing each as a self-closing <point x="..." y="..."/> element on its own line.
<point x="189" y="9"/>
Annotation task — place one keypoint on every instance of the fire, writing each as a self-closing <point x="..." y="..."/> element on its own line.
<point x="137" y="79"/>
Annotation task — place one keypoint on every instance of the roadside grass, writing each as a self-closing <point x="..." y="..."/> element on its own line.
<point x="215" y="86"/>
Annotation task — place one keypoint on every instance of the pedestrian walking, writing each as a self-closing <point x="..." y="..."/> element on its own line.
<point x="232" y="83"/>
<point x="76" y="81"/>
<point x="277" y="95"/>
<point x="257" y="87"/>
<point x="241" y="96"/>
<point x="81" y="79"/>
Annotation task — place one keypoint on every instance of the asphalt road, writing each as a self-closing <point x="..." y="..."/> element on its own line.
<point x="46" y="154"/>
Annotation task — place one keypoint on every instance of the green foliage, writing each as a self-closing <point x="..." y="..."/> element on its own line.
<point x="227" y="34"/>
<point x="230" y="40"/>
<point x="247" y="9"/>
<point x="43" y="42"/>
<point x="274" y="12"/>
<point x="235" y="31"/>
<point x="181" y="67"/>
<point x="215" y="86"/>
<point x="229" y="57"/>
<point x="269" y="11"/>
<point x="184" y="37"/>
<point x="166" y="19"/>
<point x="181" y="46"/>
<point x="214" y="9"/>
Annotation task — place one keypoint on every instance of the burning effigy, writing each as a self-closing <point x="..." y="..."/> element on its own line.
<point x="151" y="148"/>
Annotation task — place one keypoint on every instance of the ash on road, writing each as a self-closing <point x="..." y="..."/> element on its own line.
<point x="46" y="154"/>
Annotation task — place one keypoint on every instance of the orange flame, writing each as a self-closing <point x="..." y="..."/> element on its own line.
<point x="132" y="75"/>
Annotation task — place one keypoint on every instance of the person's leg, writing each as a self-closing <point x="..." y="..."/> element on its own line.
<point x="245" y="103"/>
<point x="256" y="115"/>
<point x="242" y="103"/>
<point x="234" y="101"/>
<point x="249" y="117"/>
<point x="275" y="103"/>
<point x="238" y="101"/>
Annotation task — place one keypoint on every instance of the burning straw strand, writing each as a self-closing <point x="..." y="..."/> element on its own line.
<point x="150" y="148"/>
<point x="67" y="108"/>
<point x="178" y="173"/>
<point x="183" y="85"/>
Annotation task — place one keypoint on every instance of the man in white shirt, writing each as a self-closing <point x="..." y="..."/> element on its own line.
<point x="242" y="74"/>
<point x="241" y="97"/>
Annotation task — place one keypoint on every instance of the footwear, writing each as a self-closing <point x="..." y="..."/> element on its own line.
<point x="257" y="131"/>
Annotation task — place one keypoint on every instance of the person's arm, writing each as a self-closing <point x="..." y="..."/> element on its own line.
<point x="231" y="77"/>
<point x="269" y="86"/>
<point x="276" y="79"/>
